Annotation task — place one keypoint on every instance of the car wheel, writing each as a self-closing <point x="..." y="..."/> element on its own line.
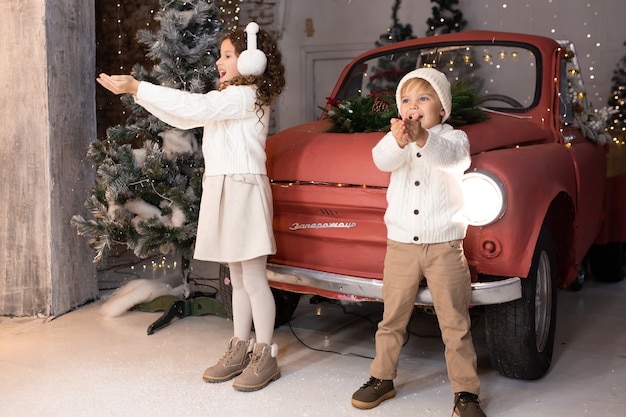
<point x="520" y="333"/>
<point x="286" y="302"/>
<point x="578" y="283"/>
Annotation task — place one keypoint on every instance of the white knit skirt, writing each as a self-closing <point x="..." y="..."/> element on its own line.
<point x="235" y="221"/>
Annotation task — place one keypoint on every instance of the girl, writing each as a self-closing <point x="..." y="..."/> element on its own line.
<point x="235" y="220"/>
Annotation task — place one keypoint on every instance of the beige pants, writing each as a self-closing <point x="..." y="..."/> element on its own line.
<point x="445" y="268"/>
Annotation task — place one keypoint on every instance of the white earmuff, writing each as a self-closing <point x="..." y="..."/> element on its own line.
<point x="252" y="61"/>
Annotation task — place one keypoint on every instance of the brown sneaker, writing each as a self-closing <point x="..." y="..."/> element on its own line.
<point x="373" y="392"/>
<point x="467" y="404"/>
<point x="262" y="369"/>
<point x="234" y="361"/>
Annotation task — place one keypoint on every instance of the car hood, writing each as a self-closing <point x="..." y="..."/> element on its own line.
<point x="308" y="153"/>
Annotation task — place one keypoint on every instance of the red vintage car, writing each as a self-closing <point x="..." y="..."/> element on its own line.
<point x="538" y="197"/>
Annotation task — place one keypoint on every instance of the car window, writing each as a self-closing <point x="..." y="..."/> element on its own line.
<point x="504" y="76"/>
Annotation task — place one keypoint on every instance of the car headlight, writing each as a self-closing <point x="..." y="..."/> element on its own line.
<point x="485" y="198"/>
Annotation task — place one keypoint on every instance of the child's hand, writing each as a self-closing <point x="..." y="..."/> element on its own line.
<point x="119" y="84"/>
<point x="415" y="132"/>
<point x="399" y="133"/>
<point x="405" y="131"/>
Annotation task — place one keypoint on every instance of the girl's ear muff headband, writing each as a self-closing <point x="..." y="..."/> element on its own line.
<point x="252" y="61"/>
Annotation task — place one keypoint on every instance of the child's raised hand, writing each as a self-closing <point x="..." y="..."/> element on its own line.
<point x="399" y="132"/>
<point x="405" y="131"/>
<point x="118" y="84"/>
<point x="415" y="132"/>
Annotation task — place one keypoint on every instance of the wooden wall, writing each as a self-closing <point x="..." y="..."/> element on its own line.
<point x="47" y="119"/>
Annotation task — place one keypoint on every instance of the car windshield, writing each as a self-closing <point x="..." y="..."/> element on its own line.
<point x="504" y="76"/>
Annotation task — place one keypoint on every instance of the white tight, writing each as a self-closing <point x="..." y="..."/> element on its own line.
<point x="252" y="300"/>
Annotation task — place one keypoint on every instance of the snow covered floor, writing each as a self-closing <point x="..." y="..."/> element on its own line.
<point x="81" y="364"/>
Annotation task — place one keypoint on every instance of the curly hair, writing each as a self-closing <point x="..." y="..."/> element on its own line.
<point x="270" y="84"/>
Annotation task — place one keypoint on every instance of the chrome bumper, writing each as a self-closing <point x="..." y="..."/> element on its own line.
<point x="483" y="293"/>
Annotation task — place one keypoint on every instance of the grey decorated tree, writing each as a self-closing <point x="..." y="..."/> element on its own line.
<point x="147" y="190"/>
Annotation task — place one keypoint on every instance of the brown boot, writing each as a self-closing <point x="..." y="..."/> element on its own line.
<point x="467" y="404"/>
<point x="232" y="363"/>
<point x="262" y="369"/>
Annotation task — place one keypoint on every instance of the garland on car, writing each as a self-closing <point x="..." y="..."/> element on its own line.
<point x="362" y="114"/>
<point x="592" y="122"/>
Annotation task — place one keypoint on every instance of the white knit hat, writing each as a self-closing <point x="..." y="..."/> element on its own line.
<point x="437" y="80"/>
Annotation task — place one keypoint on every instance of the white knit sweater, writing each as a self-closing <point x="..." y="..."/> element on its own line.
<point x="424" y="197"/>
<point x="234" y="132"/>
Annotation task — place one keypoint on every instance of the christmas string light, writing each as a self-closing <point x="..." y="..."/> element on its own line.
<point x="119" y="34"/>
<point x="230" y="14"/>
<point x="123" y="33"/>
<point x="505" y="12"/>
<point x="585" y="18"/>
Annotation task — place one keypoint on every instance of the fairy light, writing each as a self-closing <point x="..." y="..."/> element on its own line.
<point x="230" y="14"/>
<point x="126" y="57"/>
<point x="585" y="26"/>
<point x="118" y="51"/>
<point x="119" y="33"/>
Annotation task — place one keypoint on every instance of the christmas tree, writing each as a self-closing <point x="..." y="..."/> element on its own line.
<point x="148" y="175"/>
<point x="447" y="18"/>
<point x="387" y="73"/>
<point x="396" y="32"/>
<point x="617" y="124"/>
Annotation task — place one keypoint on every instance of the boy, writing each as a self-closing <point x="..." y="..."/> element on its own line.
<point x="425" y="228"/>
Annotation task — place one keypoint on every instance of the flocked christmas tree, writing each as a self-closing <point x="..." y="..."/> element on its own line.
<point x="617" y="123"/>
<point x="148" y="175"/>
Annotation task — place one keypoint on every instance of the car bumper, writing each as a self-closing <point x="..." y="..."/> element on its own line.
<point x="483" y="293"/>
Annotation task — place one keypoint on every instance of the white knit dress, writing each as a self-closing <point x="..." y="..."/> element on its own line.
<point x="235" y="221"/>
